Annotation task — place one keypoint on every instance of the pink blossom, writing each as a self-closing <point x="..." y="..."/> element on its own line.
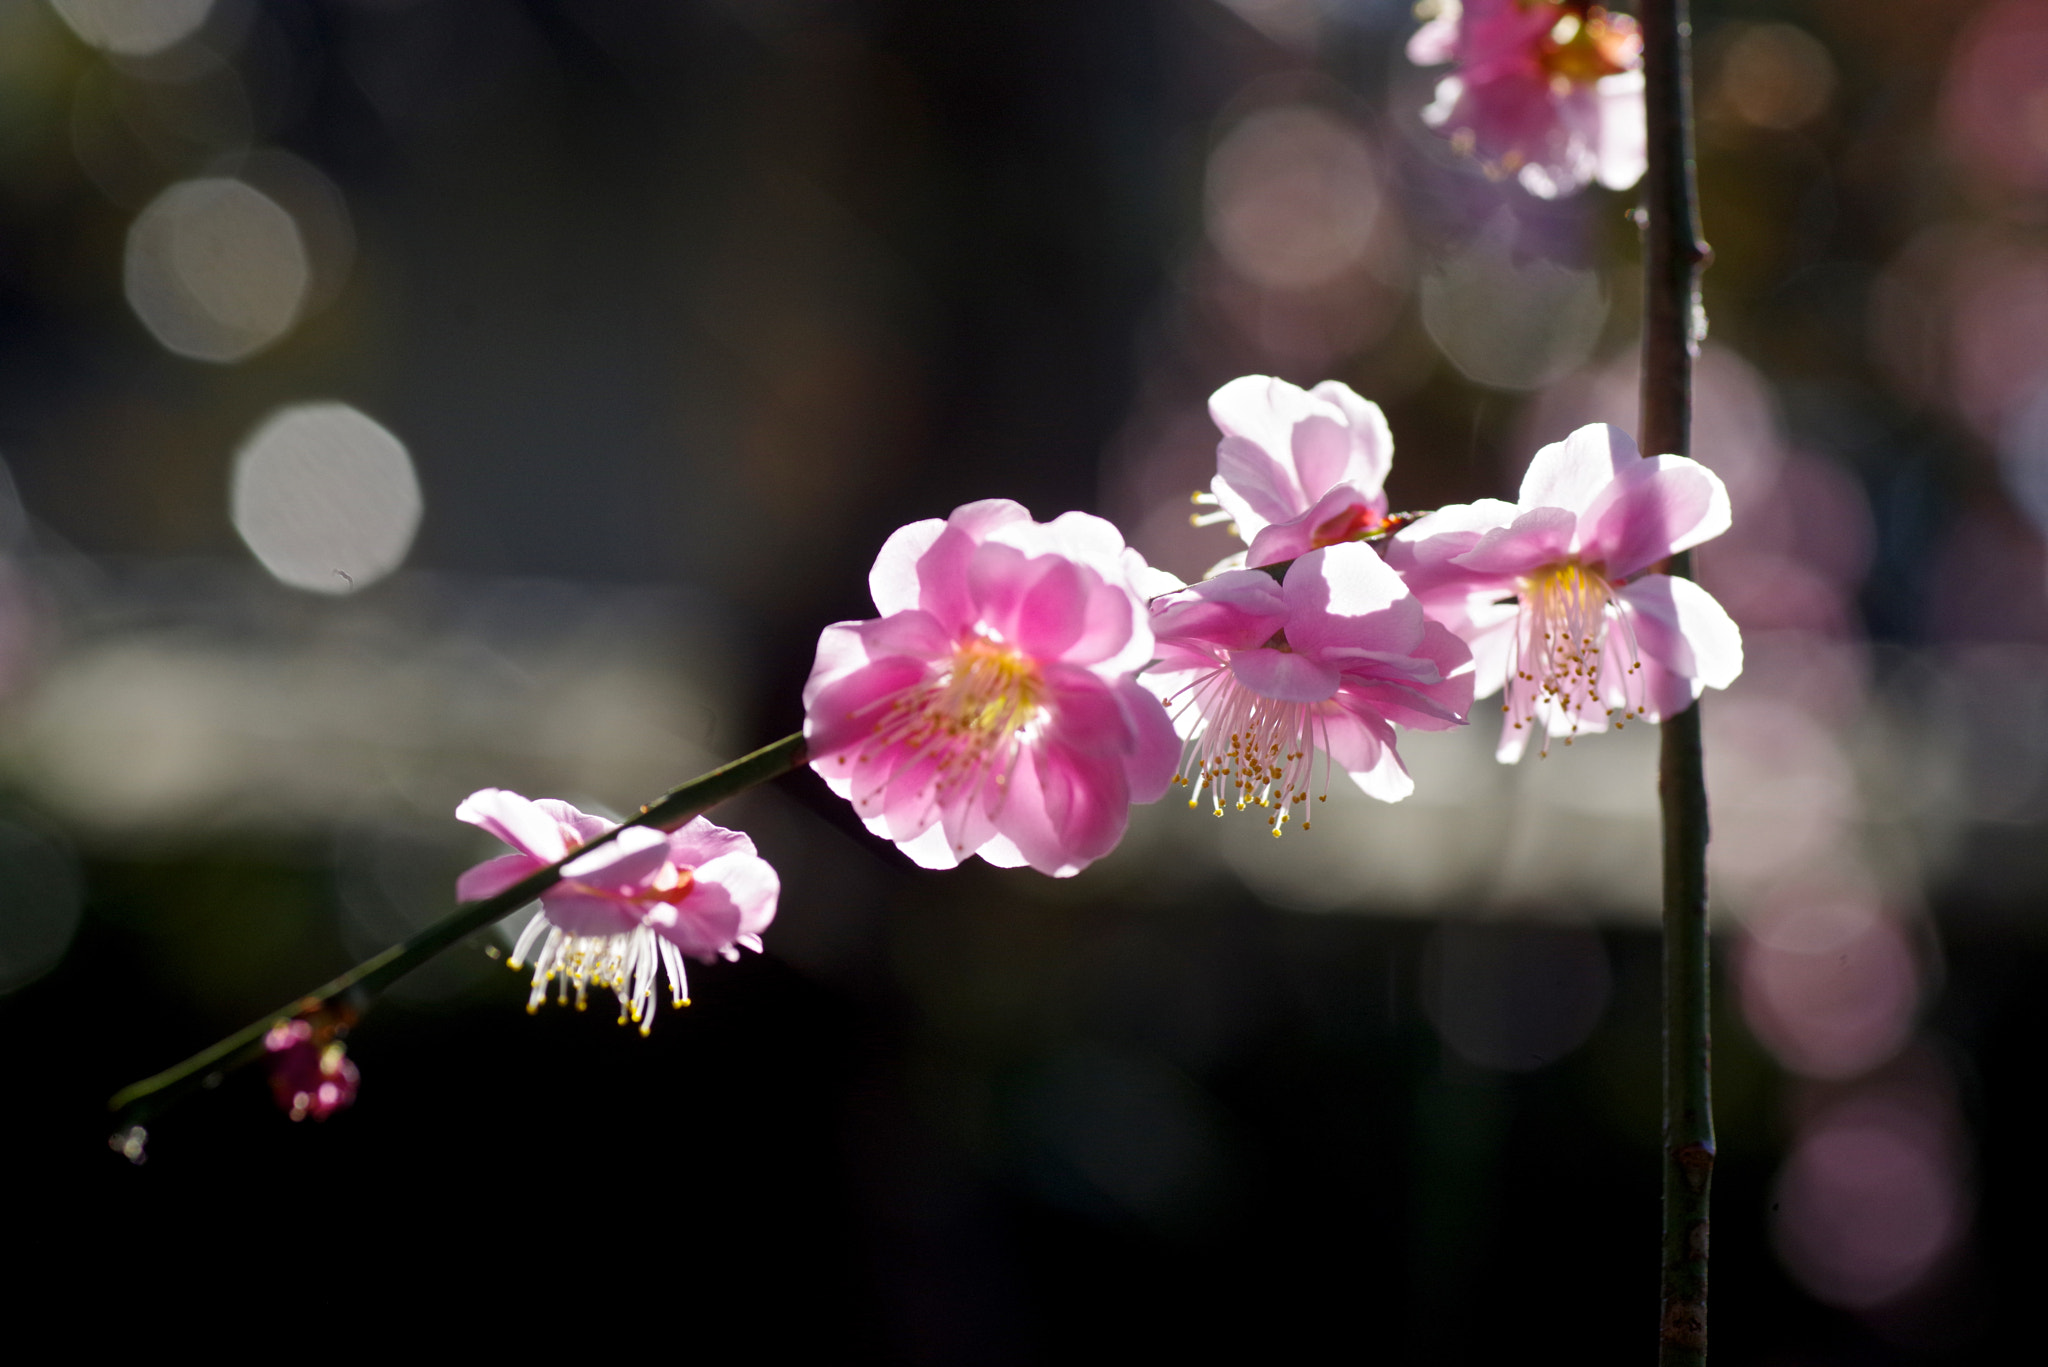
<point x="626" y="911"/>
<point x="309" y="1077"/>
<point x="1263" y="676"/>
<point x="1296" y="469"/>
<point x="990" y="708"/>
<point x="1556" y="597"/>
<point x="1547" y="91"/>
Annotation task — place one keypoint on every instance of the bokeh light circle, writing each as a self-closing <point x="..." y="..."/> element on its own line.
<point x="216" y="269"/>
<point x="133" y="28"/>
<point x="1292" y="197"/>
<point x="326" y="498"/>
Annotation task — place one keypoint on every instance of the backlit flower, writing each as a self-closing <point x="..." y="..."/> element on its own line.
<point x="1555" y="593"/>
<point x="626" y="913"/>
<point x="1547" y="91"/>
<point x="1296" y="469"/>
<point x="1265" y="677"/>
<point x="990" y="709"/>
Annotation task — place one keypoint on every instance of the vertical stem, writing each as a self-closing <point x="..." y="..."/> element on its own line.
<point x="1672" y="257"/>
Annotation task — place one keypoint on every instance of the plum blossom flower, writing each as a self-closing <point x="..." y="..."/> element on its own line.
<point x="1263" y="676"/>
<point x="1555" y="593"/>
<point x="628" y="911"/>
<point x="1296" y="469"/>
<point x="1547" y="91"/>
<point x="990" y="709"/>
<point x="309" y="1077"/>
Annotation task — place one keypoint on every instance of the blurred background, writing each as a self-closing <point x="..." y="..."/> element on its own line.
<point x="402" y="397"/>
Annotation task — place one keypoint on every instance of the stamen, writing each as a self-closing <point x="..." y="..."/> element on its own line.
<point x="967" y="724"/>
<point x="1584" y="672"/>
<point x="630" y="964"/>
<point x="1253" y="750"/>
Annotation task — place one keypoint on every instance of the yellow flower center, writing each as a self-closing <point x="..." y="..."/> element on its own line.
<point x="969" y="721"/>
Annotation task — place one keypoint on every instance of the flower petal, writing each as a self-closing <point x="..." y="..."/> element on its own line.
<point x="1154" y="755"/>
<point x="1679" y="625"/>
<point x="1364" y="748"/>
<point x="1570" y="473"/>
<point x="698" y="841"/>
<point x="516" y="821"/>
<point x="1370" y="441"/>
<point x="493" y="876"/>
<point x="1661" y="505"/>
<point x="580" y="913"/>
<point x="894" y="580"/>
<point x="1238" y="610"/>
<point x="1346" y="596"/>
<point x="1284" y="675"/>
<point x="624" y="866"/>
<point x="1538" y="537"/>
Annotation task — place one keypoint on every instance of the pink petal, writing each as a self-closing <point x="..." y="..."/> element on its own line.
<point x="627" y="864"/>
<point x="704" y="925"/>
<point x="1372" y="441"/>
<point x="1679" y="625"/>
<point x="1261" y="482"/>
<point x="1661" y="505"/>
<point x="1321" y="448"/>
<point x="1285" y="675"/>
<point x="1025" y="821"/>
<point x="1541" y="536"/>
<point x="582" y="826"/>
<point x="1334" y="517"/>
<point x="1491" y="639"/>
<point x="929" y="850"/>
<point x="1154" y="755"/>
<point x="1087" y="800"/>
<point x="493" y="876"/>
<point x="1053" y="612"/>
<point x="894" y="579"/>
<point x="697" y="842"/>
<point x="1364" y="748"/>
<point x="515" y="821"/>
<point x="845" y="713"/>
<point x="749" y="881"/>
<point x="918" y="635"/>
<point x="1346" y="596"/>
<point x="580" y="913"/>
<point x="1238" y="610"/>
<point x="1114" y="630"/>
<point x="1570" y="473"/>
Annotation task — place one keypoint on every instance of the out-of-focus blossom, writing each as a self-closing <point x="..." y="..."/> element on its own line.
<point x="1554" y="596"/>
<point x="1264" y="676"/>
<point x="1296" y="468"/>
<point x="309" y="1077"/>
<point x="628" y="911"/>
<point x="990" y="708"/>
<point x="1547" y="91"/>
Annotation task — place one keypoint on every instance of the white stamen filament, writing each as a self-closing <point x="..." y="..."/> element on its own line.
<point x="1203" y="499"/>
<point x="629" y="964"/>
<point x="1260" y="749"/>
<point x="1565" y="644"/>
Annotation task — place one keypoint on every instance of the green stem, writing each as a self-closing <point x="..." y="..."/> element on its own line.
<point x="1673" y="255"/>
<point x="347" y="995"/>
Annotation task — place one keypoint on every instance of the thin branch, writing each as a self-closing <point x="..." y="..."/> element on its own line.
<point x="1673" y="255"/>
<point x="340" y="1002"/>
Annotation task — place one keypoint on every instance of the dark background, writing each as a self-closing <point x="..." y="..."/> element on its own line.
<point x="679" y="309"/>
